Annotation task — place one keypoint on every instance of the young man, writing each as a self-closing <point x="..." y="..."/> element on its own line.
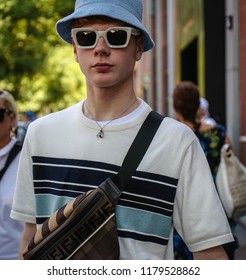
<point x="72" y="151"/>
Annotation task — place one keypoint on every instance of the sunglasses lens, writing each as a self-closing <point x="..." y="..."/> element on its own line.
<point x="117" y="37"/>
<point x="86" y="38"/>
<point x="2" y="112"/>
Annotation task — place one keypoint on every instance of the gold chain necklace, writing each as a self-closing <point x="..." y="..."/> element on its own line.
<point x="100" y="134"/>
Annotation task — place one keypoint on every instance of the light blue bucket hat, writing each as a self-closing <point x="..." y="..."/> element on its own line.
<point x="128" y="11"/>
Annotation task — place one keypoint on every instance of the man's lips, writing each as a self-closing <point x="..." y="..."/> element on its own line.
<point x="102" y="66"/>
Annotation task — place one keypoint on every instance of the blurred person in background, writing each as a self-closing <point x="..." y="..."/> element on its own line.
<point x="10" y="230"/>
<point x="212" y="136"/>
<point x="22" y="126"/>
<point x="203" y="113"/>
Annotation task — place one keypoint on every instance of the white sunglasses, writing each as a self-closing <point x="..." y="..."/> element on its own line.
<point x="115" y="37"/>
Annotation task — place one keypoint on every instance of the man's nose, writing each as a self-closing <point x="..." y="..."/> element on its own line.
<point x="102" y="47"/>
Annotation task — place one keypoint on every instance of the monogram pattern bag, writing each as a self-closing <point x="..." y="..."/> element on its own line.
<point x="85" y="228"/>
<point x="78" y="230"/>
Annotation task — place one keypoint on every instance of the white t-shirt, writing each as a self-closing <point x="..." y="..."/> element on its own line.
<point x="62" y="157"/>
<point x="10" y="230"/>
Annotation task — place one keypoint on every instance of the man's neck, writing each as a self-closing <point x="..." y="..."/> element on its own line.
<point x="104" y="104"/>
<point x="113" y="109"/>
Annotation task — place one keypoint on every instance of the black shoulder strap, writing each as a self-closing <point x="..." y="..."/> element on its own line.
<point x="138" y="149"/>
<point x="12" y="154"/>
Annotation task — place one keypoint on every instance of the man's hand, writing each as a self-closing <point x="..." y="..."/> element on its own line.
<point x="28" y="232"/>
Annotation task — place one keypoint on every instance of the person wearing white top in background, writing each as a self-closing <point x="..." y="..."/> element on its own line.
<point x="10" y="230"/>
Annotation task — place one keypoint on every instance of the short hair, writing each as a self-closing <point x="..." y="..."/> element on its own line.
<point x="9" y="102"/>
<point x="186" y="100"/>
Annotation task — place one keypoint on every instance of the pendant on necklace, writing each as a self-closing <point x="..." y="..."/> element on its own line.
<point x="100" y="134"/>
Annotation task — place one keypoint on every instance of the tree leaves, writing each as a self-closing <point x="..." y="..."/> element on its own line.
<point x="28" y="43"/>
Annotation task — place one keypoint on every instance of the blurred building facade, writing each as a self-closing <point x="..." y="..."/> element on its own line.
<point x="202" y="41"/>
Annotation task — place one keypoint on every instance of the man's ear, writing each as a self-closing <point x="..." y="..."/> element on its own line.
<point x="75" y="53"/>
<point x="139" y="50"/>
<point x="76" y="57"/>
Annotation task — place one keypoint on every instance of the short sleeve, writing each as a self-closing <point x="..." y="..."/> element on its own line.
<point x="199" y="216"/>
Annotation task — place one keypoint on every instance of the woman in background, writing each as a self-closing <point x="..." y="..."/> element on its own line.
<point x="212" y="136"/>
<point x="10" y="230"/>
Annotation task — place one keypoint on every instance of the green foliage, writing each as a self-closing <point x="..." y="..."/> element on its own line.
<point x="35" y="64"/>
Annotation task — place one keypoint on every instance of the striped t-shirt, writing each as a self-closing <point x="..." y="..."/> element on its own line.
<point x="62" y="157"/>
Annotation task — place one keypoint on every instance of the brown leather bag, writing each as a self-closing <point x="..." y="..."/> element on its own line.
<point x="85" y="228"/>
